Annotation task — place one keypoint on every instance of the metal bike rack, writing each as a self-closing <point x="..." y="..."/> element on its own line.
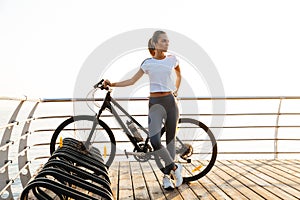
<point x="71" y="165"/>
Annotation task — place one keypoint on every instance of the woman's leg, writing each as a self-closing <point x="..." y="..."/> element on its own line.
<point x="157" y="114"/>
<point x="171" y="126"/>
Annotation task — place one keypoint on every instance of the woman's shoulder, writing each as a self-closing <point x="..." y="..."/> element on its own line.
<point x="171" y="56"/>
<point x="173" y="60"/>
<point x="146" y="61"/>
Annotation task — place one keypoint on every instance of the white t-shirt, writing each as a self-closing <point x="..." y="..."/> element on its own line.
<point x="160" y="73"/>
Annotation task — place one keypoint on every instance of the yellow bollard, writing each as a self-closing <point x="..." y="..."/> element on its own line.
<point x="104" y="152"/>
<point x="60" y="142"/>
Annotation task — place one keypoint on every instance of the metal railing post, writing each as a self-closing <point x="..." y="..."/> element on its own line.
<point x="4" y="178"/>
<point x="276" y="130"/>
<point x="22" y="159"/>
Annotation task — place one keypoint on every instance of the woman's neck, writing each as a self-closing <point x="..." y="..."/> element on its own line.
<point x="159" y="55"/>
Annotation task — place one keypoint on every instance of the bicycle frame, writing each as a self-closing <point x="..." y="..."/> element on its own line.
<point x="107" y="104"/>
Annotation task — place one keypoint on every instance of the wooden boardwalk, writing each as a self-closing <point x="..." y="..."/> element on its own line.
<point x="229" y="179"/>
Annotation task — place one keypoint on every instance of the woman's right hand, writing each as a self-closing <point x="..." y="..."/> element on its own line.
<point x="106" y="83"/>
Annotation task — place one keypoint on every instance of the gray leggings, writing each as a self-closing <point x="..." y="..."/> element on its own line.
<point x="163" y="110"/>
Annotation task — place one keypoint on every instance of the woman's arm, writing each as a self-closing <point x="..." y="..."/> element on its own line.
<point x="178" y="79"/>
<point x="127" y="82"/>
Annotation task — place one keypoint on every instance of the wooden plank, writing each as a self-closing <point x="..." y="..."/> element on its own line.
<point x="223" y="184"/>
<point x="211" y="187"/>
<point x="198" y="188"/>
<point x="247" y="181"/>
<point x="125" y="182"/>
<point x="280" y="178"/>
<point x="114" y="178"/>
<point x="139" y="186"/>
<point x="295" y="162"/>
<point x="254" y="176"/>
<point x="278" y="168"/>
<point x="263" y="179"/>
<point x="186" y="192"/>
<point x="153" y="186"/>
<point x="233" y="179"/>
<point x="289" y="167"/>
<point x="200" y="191"/>
<point x="214" y="190"/>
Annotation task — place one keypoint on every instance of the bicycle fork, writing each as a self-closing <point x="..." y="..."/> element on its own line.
<point x="88" y="141"/>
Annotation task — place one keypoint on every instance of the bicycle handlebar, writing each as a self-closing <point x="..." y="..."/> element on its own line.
<point x="100" y="85"/>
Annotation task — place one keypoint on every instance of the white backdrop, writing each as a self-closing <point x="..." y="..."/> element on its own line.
<point x="255" y="45"/>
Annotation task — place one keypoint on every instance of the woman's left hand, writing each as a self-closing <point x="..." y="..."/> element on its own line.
<point x="175" y="93"/>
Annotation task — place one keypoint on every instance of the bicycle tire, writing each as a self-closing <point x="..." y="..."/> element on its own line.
<point x="202" y="162"/>
<point x="107" y="133"/>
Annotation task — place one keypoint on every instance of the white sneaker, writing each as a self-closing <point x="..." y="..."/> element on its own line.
<point x="177" y="175"/>
<point x="167" y="183"/>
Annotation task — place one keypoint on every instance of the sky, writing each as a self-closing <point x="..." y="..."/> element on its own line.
<point x="254" y="45"/>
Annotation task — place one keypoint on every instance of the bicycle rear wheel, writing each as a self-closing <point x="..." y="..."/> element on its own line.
<point x="79" y="128"/>
<point x="196" y="149"/>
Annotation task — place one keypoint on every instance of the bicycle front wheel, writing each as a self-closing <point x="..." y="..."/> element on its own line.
<point x="79" y="128"/>
<point x="196" y="149"/>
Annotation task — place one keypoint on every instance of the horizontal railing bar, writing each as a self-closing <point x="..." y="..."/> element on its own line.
<point x="41" y="157"/>
<point x="183" y="114"/>
<point x="186" y="114"/>
<point x="256" y="126"/>
<point x="212" y="127"/>
<point x="237" y="153"/>
<point x="43" y="130"/>
<point x="25" y="98"/>
<point x="218" y="140"/>
<point x="22" y="137"/>
<point x="270" y="152"/>
<point x="179" y="98"/>
<point x="8" y="162"/>
<point x="67" y="116"/>
<point x="23" y="151"/>
<point x="261" y="139"/>
<point x="16" y="123"/>
<point x="41" y="144"/>
<point x="6" y="145"/>
<point x="12" y="142"/>
<point x="51" y="117"/>
<point x="9" y="125"/>
<point x="236" y="114"/>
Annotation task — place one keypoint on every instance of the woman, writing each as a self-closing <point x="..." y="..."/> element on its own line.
<point x="162" y="104"/>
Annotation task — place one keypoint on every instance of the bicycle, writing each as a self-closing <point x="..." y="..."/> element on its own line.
<point x="196" y="147"/>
